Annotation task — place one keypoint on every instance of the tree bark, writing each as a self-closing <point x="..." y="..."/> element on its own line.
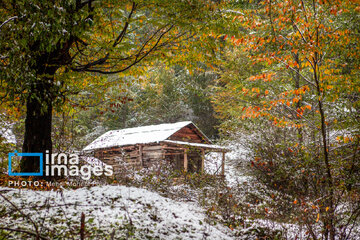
<point x="38" y="123"/>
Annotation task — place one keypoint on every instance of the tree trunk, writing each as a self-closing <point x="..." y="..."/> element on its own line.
<point x="38" y="123"/>
<point x="39" y="105"/>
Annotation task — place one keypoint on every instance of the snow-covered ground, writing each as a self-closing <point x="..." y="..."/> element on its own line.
<point x="235" y="159"/>
<point x="110" y="208"/>
<point x="6" y="133"/>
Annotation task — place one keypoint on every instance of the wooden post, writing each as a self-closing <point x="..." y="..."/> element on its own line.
<point x="223" y="164"/>
<point x="202" y="160"/>
<point x="185" y="160"/>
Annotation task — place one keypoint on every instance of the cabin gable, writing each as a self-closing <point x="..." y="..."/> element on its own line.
<point x="189" y="133"/>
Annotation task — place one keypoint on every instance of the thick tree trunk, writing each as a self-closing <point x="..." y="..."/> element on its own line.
<point x="39" y="105"/>
<point x="38" y="120"/>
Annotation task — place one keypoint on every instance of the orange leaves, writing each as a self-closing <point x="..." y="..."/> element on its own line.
<point x="298" y="91"/>
<point x="255" y="90"/>
<point x="295" y="51"/>
<point x="295" y="100"/>
<point x="266" y="77"/>
<point x="251" y="112"/>
<point x="238" y="41"/>
<point x="334" y="10"/>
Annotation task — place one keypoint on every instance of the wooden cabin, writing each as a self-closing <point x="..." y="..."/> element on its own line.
<point x="181" y="145"/>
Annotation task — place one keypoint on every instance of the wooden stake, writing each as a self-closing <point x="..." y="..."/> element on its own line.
<point x="223" y="164"/>
<point x="82" y="226"/>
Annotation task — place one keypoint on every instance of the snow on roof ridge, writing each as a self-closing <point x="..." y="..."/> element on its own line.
<point x="127" y="130"/>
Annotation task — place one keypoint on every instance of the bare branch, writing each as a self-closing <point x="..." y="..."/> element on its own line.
<point x="24" y="231"/>
<point x="10" y="19"/>
<point x="122" y="33"/>
<point x="295" y="70"/>
<point x="22" y="213"/>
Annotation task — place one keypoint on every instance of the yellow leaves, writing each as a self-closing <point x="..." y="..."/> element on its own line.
<point x="327" y="209"/>
<point x="318" y="217"/>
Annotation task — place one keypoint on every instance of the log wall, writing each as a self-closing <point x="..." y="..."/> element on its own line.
<point x="131" y="157"/>
<point x="137" y="157"/>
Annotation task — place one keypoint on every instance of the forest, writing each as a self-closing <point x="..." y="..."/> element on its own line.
<point x="274" y="82"/>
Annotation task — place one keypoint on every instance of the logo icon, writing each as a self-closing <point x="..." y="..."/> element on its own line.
<point x="15" y="153"/>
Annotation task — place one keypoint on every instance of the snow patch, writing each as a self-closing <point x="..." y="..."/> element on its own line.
<point x="111" y="206"/>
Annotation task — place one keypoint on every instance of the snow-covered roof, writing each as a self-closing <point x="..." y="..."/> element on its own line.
<point x="137" y="135"/>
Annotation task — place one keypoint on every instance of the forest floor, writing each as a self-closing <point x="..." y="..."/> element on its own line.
<point x="118" y="211"/>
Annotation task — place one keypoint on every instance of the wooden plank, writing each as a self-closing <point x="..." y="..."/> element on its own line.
<point x="193" y="134"/>
<point x="174" y="148"/>
<point x="152" y="154"/>
<point x="186" y="138"/>
<point x="201" y="136"/>
<point x="187" y="133"/>
<point x="172" y="154"/>
<point x="151" y="148"/>
<point x="133" y="154"/>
